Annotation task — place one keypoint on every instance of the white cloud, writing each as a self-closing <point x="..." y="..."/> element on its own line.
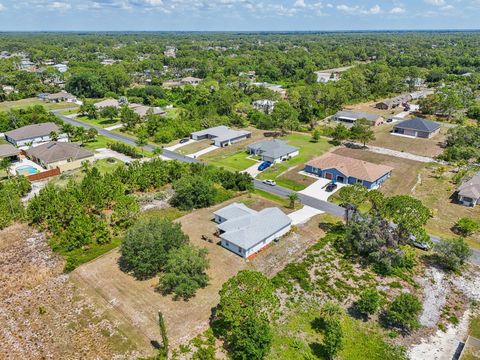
<point x="57" y="5"/>
<point x="300" y="4"/>
<point x="435" y="2"/>
<point x="397" y="10"/>
<point x="376" y="9"/>
<point x="2" y="7"/>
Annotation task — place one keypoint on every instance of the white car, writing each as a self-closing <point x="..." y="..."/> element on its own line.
<point x="270" y="182"/>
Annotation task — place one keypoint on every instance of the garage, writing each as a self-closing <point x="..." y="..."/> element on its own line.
<point x="328" y="176"/>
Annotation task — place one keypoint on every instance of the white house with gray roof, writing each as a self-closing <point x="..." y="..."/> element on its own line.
<point x="35" y="134"/>
<point x="273" y="150"/>
<point x="245" y="231"/>
<point x="350" y="117"/>
<point x="469" y="191"/>
<point x="221" y="135"/>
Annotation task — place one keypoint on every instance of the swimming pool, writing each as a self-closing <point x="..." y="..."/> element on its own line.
<point x="26" y="170"/>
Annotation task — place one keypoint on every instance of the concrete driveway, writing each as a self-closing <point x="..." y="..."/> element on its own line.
<point x="203" y="152"/>
<point x="104" y="153"/>
<point x="179" y="145"/>
<point x="303" y="215"/>
<point x="317" y="189"/>
<point x="253" y="170"/>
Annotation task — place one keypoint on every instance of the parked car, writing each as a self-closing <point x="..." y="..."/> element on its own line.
<point x="269" y="182"/>
<point x="184" y="140"/>
<point x="421" y="245"/>
<point x="331" y="186"/>
<point x="264" y="165"/>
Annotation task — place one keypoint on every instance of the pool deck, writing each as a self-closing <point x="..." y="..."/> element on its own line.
<point x="25" y="162"/>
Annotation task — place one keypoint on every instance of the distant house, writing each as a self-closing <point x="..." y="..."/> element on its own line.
<point x="324" y="77"/>
<point x="221" y="135"/>
<point x="65" y="156"/>
<point x="265" y="105"/>
<point x="394" y="102"/>
<point x="190" y="80"/>
<point x="34" y="134"/>
<point x="272" y="87"/>
<point x="249" y="75"/>
<point x="171" y="84"/>
<point x="61" y="96"/>
<point x="7" y="89"/>
<point x="351" y="117"/>
<point x="170" y="51"/>
<point x="143" y="110"/>
<point x="245" y="231"/>
<point x="272" y="150"/>
<point x="108" y="62"/>
<point x="61" y="67"/>
<point x="107" y="103"/>
<point x="417" y="127"/>
<point x="346" y="170"/>
<point x="469" y="191"/>
<point x="9" y="151"/>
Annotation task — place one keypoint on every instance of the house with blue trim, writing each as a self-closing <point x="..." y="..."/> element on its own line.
<point x="346" y="170"/>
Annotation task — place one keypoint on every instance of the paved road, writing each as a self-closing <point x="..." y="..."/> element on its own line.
<point x="276" y="190"/>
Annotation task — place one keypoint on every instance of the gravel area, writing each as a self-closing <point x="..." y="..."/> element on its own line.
<point x="434" y="288"/>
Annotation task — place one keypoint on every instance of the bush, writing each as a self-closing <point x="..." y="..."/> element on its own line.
<point x="467" y="226"/>
<point x="452" y="253"/>
<point x="125" y="149"/>
<point x="193" y="192"/>
<point x="251" y="340"/>
<point x="147" y="245"/>
<point x="184" y="272"/>
<point x="403" y="312"/>
<point x="369" y="301"/>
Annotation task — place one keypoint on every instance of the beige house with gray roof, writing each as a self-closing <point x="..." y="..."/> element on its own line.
<point x="469" y="191"/>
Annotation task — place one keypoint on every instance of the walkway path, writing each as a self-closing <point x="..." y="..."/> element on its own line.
<point x="179" y="145"/>
<point x="203" y="151"/>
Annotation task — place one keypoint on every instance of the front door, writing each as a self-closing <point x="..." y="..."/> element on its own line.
<point x="329" y="176"/>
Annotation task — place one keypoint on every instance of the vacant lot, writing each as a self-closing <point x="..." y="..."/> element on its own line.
<point x="194" y="147"/>
<point x="46" y="315"/>
<point x="425" y="147"/>
<point x="405" y="173"/>
<point x="99" y="121"/>
<point x="24" y="103"/>
<point x="437" y="193"/>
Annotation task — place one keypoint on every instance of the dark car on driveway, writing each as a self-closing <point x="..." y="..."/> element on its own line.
<point x="264" y="165"/>
<point x="184" y="140"/>
<point x="331" y="186"/>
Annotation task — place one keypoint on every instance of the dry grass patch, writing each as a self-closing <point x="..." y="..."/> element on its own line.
<point x="405" y="173"/>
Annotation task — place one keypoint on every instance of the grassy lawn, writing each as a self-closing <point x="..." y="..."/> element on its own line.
<point x="275" y="198"/>
<point x="437" y="194"/>
<point x="298" y="339"/>
<point x="194" y="147"/>
<point x="100" y="121"/>
<point x="236" y="162"/>
<point x="24" y="103"/>
<point x="308" y="151"/>
<point x="101" y="141"/>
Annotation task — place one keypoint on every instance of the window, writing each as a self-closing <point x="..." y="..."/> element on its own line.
<point x="226" y="244"/>
<point x="359" y="181"/>
<point x="239" y="249"/>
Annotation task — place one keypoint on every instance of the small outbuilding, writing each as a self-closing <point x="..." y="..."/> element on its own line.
<point x="273" y="150"/>
<point x="245" y="231"/>
<point x="221" y="135"/>
<point x="417" y="127"/>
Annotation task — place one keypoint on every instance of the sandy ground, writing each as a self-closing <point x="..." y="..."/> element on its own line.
<point x="433" y="284"/>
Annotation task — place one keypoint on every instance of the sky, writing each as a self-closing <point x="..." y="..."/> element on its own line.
<point x="237" y="15"/>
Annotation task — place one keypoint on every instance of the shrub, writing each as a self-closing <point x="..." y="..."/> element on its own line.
<point x="369" y="301"/>
<point x="452" y="253"/>
<point x="193" y="192"/>
<point x="467" y="226"/>
<point x="403" y="312"/>
<point x="146" y="246"/>
<point x="125" y="149"/>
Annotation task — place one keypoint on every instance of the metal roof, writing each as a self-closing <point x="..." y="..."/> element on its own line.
<point x="249" y="230"/>
<point x="419" y="124"/>
<point x="234" y="210"/>
<point x="222" y="133"/>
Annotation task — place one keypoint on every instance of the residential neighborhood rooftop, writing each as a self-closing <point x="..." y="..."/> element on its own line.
<point x="32" y="131"/>
<point x="354" y="115"/>
<point x="272" y="148"/>
<point x="419" y="124"/>
<point x="221" y="133"/>
<point x="471" y="188"/>
<point x="351" y="167"/>
<point x="56" y="151"/>
<point x="7" y="150"/>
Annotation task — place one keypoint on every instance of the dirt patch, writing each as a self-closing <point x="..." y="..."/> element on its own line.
<point x="424" y="147"/>
<point x="404" y="174"/>
<point x="434" y="290"/>
<point x="44" y="315"/>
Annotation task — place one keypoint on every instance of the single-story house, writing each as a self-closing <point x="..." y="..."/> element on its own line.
<point x="350" y="117"/>
<point x="9" y="151"/>
<point x="394" y="102"/>
<point x="273" y="150"/>
<point x="61" y="96"/>
<point x="61" y="67"/>
<point x="265" y="105"/>
<point x="32" y="135"/>
<point x="273" y="87"/>
<point x="417" y="127"/>
<point x="469" y="191"/>
<point x="346" y="170"/>
<point x="327" y="76"/>
<point x="65" y="156"/>
<point x="221" y="135"/>
<point x="190" y="80"/>
<point x="245" y="231"/>
<point x="107" y="103"/>
<point x="143" y="110"/>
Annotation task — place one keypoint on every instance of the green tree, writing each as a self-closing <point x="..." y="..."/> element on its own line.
<point x="5" y="164"/>
<point x="467" y="226"/>
<point x="293" y="197"/>
<point x="252" y="340"/>
<point x="315" y="136"/>
<point x="362" y="131"/>
<point x="403" y="312"/>
<point x="369" y="301"/>
<point x="109" y="112"/>
<point x="340" y="133"/>
<point x="355" y="195"/>
<point x="193" y="192"/>
<point x="142" y="140"/>
<point x="184" y="272"/>
<point x="330" y="323"/>
<point x="284" y="116"/>
<point x="129" y="118"/>
<point x="147" y="244"/>
<point x="54" y="136"/>
<point x="452" y="253"/>
<point x="88" y="109"/>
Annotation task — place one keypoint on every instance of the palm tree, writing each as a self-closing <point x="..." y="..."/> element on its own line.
<point x="54" y="136"/>
<point x="293" y="197"/>
<point x="5" y="164"/>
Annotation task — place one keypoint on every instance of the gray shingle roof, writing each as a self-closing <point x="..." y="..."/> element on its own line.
<point x="234" y="210"/>
<point x="32" y="131"/>
<point x="57" y="151"/>
<point x="7" y="150"/>
<point x="222" y="133"/>
<point x="272" y="148"/>
<point x="471" y="188"/>
<point x="419" y="124"/>
<point x="249" y="230"/>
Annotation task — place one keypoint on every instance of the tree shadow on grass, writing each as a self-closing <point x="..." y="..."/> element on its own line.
<point x="318" y="350"/>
